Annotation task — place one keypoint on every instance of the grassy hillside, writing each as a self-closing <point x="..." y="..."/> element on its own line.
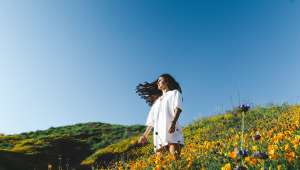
<point x="270" y="141"/>
<point x="72" y="143"/>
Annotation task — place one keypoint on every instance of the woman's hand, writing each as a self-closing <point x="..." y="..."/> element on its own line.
<point x="172" y="128"/>
<point x="143" y="140"/>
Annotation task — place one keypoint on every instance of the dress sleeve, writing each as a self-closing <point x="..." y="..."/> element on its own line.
<point x="177" y="100"/>
<point x="150" y="118"/>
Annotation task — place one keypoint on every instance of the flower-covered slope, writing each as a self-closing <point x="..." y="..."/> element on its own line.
<point x="259" y="138"/>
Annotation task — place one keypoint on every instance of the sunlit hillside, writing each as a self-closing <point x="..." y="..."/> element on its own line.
<point x="270" y="140"/>
<point x="257" y="138"/>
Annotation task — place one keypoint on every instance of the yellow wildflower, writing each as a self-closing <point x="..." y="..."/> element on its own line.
<point x="226" y="167"/>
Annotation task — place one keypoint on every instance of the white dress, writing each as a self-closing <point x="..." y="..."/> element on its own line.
<point x="160" y="117"/>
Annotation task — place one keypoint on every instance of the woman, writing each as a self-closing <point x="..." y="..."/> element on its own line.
<point x="164" y="97"/>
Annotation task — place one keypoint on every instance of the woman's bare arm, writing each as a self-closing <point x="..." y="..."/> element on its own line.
<point x="177" y="113"/>
<point x="173" y="124"/>
<point x="147" y="131"/>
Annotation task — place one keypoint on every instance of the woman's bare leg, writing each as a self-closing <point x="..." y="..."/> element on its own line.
<point x="158" y="154"/>
<point x="160" y="151"/>
<point x="175" y="150"/>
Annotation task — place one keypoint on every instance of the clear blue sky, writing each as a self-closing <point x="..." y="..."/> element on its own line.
<point x="65" y="62"/>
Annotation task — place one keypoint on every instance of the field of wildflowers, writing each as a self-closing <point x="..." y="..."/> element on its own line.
<point x="256" y="138"/>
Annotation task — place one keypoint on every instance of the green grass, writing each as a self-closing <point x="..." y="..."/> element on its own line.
<point x="82" y="138"/>
<point x="208" y="142"/>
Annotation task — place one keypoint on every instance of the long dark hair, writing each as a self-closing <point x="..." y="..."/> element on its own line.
<point x="150" y="91"/>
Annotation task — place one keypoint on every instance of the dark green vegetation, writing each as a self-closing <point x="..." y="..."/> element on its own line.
<point x="73" y="143"/>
